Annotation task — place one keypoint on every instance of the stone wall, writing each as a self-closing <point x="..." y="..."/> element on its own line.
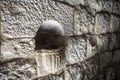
<point x="92" y="31"/>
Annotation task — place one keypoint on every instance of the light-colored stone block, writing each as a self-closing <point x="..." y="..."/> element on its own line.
<point x="114" y="23"/>
<point x="101" y="5"/>
<point x="50" y="61"/>
<point x="102" y="23"/>
<point x="91" y="46"/>
<point x="83" y="22"/>
<point x="75" y="2"/>
<point x="94" y="4"/>
<point x="76" y="50"/>
<point x="16" y="48"/>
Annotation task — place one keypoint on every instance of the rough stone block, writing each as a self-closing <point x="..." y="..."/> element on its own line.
<point x="116" y="7"/>
<point x="94" y="4"/>
<point x="114" y="41"/>
<point x="107" y="74"/>
<point x="91" y="66"/>
<point x="103" y="43"/>
<point x="82" y="70"/>
<point x="110" y="74"/>
<point x="19" y="69"/>
<point x="16" y="48"/>
<point x="102" y="25"/>
<point x="114" y="23"/>
<point x="21" y="18"/>
<point x="101" y="5"/>
<point x="107" y="5"/>
<point x="57" y="76"/>
<point x="105" y="60"/>
<point x="75" y="72"/>
<point x="91" y="46"/>
<point x="116" y="56"/>
<point x="76" y="50"/>
<point x="75" y="2"/>
<point x="83" y="22"/>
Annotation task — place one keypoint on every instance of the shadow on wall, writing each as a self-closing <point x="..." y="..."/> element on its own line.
<point x="109" y="53"/>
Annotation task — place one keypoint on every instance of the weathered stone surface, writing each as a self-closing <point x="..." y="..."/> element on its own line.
<point x="91" y="67"/>
<point x="21" y="18"/>
<point x="75" y="2"/>
<point x="114" y="23"/>
<point x="75" y="72"/>
<point x="103" y="43"/>
<point x="94" y="4"/>
<point x="91" y="46"/>
<point x="16" y="48"/>
<point x="57" y="76"/>
<point x="105" y="60"/>
<point x="101" y="5"/>
<point x="19" y="69"/>
<point x="102" y="21"/>
<point x="110" y="75"/>
<point x="83" y="70"/>
<point x="50" y="61"/>
<point x="114" y="41"/>
<point x="76" y="50"/>
<point x="106" y="75"/>
<point x="83" y="22"/>
<point x="107" y="5"/>
<point x="116" y="7"/>
<point x="116" y="56"/>
<point x="93" y="42"/>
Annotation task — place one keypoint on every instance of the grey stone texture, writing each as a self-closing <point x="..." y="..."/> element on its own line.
<point x="92" y="40"/>
<point x="18" y="69"/>
<point x="17" y="47"/>
<point x="23" y="18"/>
<point x="102" y="23"/>
<point x="76" y="50"/>
<point x="114" y="23"/>
<point x="83" y="21"/>
<point x="91" y="46"/>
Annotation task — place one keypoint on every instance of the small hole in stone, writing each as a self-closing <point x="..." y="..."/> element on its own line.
<point x="50" y="35"/>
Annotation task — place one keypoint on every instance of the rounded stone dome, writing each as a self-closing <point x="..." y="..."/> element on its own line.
<point x="52" y="27"/>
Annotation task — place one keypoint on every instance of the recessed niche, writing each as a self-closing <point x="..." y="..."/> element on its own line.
<point x="50" y="35"/>
<point x="49" y="46"/>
